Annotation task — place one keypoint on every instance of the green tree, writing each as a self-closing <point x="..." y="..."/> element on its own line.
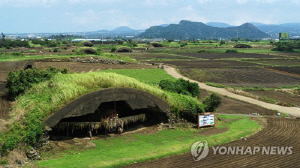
<point x="212" y="102"/>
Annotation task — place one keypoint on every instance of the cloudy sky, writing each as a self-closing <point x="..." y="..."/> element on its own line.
<point x="35" y="16"/>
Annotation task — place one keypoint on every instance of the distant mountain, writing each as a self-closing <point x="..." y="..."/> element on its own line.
<point x="164" y="25"/>
<point x="198" y="30"/>
<point x="218" y="24"/>
<point x="273" y="30"/>
<point x="123" y="29"/>
<point x="103" y="31"/>
<point x="292" y="25"/>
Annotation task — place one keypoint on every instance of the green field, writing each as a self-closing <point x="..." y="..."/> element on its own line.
<point x="150" y="76"/>
<point x="120" y="151"/>
<point x="58" y="56"/>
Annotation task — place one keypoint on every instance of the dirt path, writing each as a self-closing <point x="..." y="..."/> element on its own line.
<point x="277" y="133"/>
<point x="294" y="111"/>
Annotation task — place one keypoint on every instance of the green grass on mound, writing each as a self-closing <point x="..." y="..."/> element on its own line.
<point x="121" y="151"/>
<point x="46" y="98"/>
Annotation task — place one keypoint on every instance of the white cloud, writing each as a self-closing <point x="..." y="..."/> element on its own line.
<point x="158" y="2"/>
<point x="188" y="8"/>
<point x="297" y="2"/>
<point x="189" y="13"/>
<point x="83" y="18"/>
<point x="113" y="11"/>
<point x="147" y="24"/>
<point x="257" y="1"/>
<point x="203" y="1"/>
<point x="27" y="3"/>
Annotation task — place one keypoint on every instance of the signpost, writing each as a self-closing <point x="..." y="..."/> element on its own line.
<point x="206" y="119"/>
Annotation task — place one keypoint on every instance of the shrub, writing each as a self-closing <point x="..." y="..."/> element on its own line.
<point x="114" y="49"/>
<point x="212" y="102"/>
<point x="183" y="44"/>
<point x="56" y="50"/>
<point x="180" y="86"/>
<point x="283" y="48"/>
<point x="13" y="43"/>
<point x="242" y="46"/>
<point x="17" y="54"/>
<point x="20" y="81"/>
<point x="222" y="42"/>
<point x="52" y="44"/>
<point x="231" y="51"/>
<point x="87" y="44"/>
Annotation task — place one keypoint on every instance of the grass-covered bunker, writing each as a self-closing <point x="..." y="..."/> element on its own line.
<point x="101" y="110"/>
<point x="78" y="97"/>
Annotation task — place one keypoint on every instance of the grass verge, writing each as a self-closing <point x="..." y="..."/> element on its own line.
<point x="121" y="151"/>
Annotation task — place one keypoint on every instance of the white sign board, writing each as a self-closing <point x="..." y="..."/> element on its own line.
<point x="206" y="119"/>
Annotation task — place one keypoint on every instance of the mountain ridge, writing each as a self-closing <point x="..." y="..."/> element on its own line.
<point x="198" y="30"/>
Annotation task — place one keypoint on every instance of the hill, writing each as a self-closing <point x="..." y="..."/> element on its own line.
<point x="123" y="29"/>
<point x="197" y="30"/>
<point x="274" y="29"/>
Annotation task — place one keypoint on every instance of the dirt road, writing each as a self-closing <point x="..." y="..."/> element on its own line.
<point x="294" y="111"/>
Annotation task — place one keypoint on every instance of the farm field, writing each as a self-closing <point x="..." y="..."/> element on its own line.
<point x="242" y="77"/>
<point x="283" y="98"/>
<point x="276" y="62"/>
<point x="292" y="70"/>
<point x="213" y="56"/>
<point x="209" y="63"/>
<point x="233" y="106"/>
<point x="86" y="67"/>
<point x="158" y="56"/>
<point x="277" y="132"/>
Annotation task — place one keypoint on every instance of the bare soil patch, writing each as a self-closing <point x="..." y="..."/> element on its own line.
<point x="149" y="56"/>
<point x="86" y="67"/>
<point x="283" y="97"/>
<point x="233" y="106"/>
<point x="277" y="62"/>
<point x="212" y="56"/>
<point x="291" y="70"/>
<point x="242" y="76"/>
<point x="208" y="63"/>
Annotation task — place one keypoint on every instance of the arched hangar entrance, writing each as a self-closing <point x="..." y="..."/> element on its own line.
<point x="107" y="110"/>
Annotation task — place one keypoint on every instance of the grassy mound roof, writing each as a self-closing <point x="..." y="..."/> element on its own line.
<point x="43" y="99"/>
